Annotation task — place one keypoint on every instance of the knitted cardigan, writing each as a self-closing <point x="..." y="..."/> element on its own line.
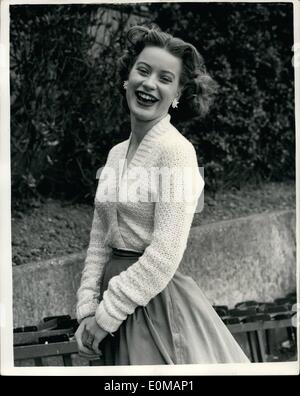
<point x="158" y="229"/>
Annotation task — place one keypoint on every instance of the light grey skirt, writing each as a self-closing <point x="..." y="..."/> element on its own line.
<point x="178" y="326"/>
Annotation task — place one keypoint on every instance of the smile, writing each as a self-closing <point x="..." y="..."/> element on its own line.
<point x="145" y="98"/>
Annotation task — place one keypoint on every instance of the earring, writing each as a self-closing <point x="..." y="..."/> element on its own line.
<point x="125" y="84"/>
<point x="175" y="103"/>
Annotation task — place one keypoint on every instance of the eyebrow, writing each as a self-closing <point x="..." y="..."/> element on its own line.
<point x="164" y="71"/>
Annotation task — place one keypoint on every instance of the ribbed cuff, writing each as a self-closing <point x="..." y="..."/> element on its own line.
<point x="105" y="321"/>
<point x="86" y="310"/>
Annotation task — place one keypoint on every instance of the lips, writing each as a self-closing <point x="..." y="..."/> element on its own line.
<point x="145" y="98"/>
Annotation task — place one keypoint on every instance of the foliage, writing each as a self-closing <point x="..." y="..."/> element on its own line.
<point x="64" y="99"/>
<point x="66" y="110"/>
<point x="250" y="133"/>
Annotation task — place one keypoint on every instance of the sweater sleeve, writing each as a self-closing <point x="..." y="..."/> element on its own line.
<point x="173" y="217"/>
<point x="98" y="254"/>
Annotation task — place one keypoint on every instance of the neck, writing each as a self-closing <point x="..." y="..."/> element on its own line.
<point x="140" y="128"/>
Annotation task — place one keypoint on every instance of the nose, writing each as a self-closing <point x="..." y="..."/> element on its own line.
<point x="150" y="82"/>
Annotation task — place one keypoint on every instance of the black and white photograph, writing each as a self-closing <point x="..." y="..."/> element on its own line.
<point x="148" y="187"/>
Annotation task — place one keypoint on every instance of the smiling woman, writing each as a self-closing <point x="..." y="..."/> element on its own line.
<point x="133" y="304"/>
<point x="196" y="88"/>
<point x="153" y="84"/>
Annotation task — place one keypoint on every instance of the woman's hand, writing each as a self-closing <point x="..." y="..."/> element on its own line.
<point x="88" y="336"/>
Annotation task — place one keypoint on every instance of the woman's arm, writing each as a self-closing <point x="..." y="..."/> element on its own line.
<point x="155" y="268"/>
<point x="97" y="255"/>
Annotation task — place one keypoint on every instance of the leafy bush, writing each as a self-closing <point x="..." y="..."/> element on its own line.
<point x="66" y="110"/>
<point x="250" y="133"/>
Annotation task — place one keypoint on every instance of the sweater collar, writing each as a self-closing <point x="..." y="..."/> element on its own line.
<point x="147" y="142"/>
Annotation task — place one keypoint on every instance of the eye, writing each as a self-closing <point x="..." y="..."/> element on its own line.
<point x="142" y="70"/>
<point x="166" y="79"/>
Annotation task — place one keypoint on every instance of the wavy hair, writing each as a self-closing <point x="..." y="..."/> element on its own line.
<point x="198" y="89"/>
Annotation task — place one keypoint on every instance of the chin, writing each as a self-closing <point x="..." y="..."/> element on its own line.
<point x="144" y="115"/>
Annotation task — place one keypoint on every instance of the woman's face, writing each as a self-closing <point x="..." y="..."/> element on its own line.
<point x="153" y="83"/>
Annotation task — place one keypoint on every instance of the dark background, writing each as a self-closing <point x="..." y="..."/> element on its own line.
<point x="66" y="109"/>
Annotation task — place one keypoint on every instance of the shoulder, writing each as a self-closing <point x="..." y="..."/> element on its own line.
<point x="117" y="149"/>
<point x="174" y="147"/>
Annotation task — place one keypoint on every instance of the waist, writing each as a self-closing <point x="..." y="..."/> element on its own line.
<point x="120" y="260"/>
<point x="126" y="253"/>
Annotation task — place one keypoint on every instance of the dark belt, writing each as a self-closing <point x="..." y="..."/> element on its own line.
<point x="126" y="253"/>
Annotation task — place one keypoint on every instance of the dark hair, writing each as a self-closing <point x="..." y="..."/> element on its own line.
<point x="198" y="88"/>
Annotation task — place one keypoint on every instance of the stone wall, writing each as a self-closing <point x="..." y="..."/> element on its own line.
<point x="232" y="261"/>
<point x="250" y="258"/>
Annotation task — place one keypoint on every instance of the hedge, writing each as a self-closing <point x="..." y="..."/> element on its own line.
<point x="66" y="111"/>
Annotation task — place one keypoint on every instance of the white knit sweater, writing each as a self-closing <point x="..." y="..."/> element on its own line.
<point x="159" y="229"/>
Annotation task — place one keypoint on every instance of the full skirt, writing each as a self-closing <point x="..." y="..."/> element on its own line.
<point x="178" y="326"/>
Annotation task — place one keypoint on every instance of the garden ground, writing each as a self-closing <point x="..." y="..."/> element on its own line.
<point x="53" y="228"/>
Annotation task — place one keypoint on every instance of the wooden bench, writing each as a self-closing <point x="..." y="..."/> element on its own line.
<point x="50" y="339"/>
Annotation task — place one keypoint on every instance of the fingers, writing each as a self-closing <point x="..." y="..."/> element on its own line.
<point x="79" y="335"/>
<point x="85" y="336"/>
<point x="88" y="336"/>
<point x="87" y="339"/>
<point x="95" y="346"/>
<point x="90" y="356"/>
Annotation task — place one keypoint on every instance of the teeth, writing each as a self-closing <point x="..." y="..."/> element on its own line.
<point x="146" y="97"/>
